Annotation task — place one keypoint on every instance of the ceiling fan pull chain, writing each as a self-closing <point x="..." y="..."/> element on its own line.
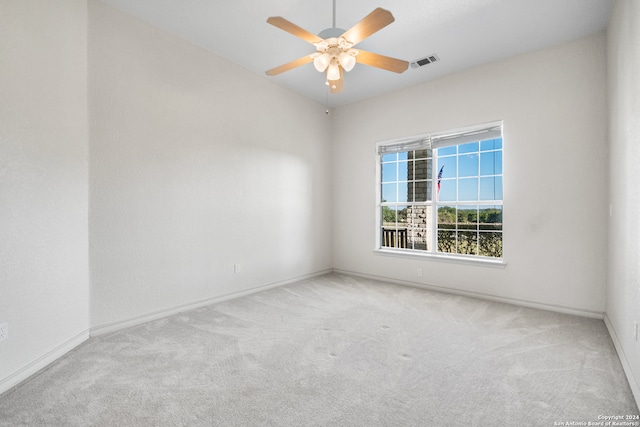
<point x="327" y="110"/>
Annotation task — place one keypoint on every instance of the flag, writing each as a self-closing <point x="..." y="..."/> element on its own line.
<point x="440" y="177"/>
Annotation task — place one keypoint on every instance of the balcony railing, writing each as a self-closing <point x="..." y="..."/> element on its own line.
<point x="394" y="238"/>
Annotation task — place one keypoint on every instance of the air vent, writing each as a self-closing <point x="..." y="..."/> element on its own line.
<point x="424" y="61"/>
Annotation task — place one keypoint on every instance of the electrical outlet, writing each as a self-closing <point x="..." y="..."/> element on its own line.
<point x="236" y="268"/>
<point x="419" y="272"/>
<point x="4" y="331"/>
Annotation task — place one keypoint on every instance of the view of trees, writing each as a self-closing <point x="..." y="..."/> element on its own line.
<point x="461" y="231"/>
<point x="389" y="215"/>
<point x="447" y="215"/>
<point x="481" y="243"/>
<point x="455" y="235"/>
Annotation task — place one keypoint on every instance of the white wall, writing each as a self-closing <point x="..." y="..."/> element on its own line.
<point x="43" y="183"/>
<point x="623" y="290"/>
<point x="553" y="104"/>
<point x="196" y="164"/>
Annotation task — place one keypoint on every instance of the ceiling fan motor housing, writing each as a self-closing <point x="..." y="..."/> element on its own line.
<point x="328" y="33"/>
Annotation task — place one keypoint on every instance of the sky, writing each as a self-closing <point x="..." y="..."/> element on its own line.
<point x="477" y="166"/>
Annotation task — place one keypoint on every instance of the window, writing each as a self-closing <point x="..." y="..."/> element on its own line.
<point x="442" y="193"/>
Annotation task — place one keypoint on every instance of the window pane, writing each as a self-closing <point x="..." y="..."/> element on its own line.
<point x="404" y="155"/>
<point x="422" y="170"/>
<point x="418" y="228"/>
<point x="447" y="217"/>
<point x="488" y="163"/>
<point x="467" y="242"/>
<point x="389" y="172"/>
<point x="394" y="222"/>
<point x="490" y="244"/>
<point x="449" y="164"/>
<point x="388" y="216"/>
<point x="390" y="157"/>
<point x="446" y="151"/>
<point x="394" y="238"/>
<point x="402" y="216"/>
<point x="468" y="165"/>
<point x="389" y="193"/>
<point x="490" y="144"/>
<point x="447" y="241"/>
<point x="392" y="235"/>
<point x="468" y="189"/>
<point x="490" y="218"/>
<point x="422" y="154"/>
<point x="403" y="192"/>
<point x="491" y="188"/>
<point x="491" y="163"/>
<point x="447" y="229"/>
<point x="387" y="237"/>
<point x="447" y="190"/>
<point x="467" y="218"/>
<point x="403" y="171"/>
<point x="468" y="148"/>
<point x="422" y="191"/>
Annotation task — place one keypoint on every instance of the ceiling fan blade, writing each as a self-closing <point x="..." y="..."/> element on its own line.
<point x="371" y="23"/>
<point x="337" y="86"/>
<point x="381" y="61"/>
<point x="289" y="65"/>
<point x="291" y="28"/>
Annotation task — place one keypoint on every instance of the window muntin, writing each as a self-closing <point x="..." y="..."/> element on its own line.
<point x="465" y="216"/>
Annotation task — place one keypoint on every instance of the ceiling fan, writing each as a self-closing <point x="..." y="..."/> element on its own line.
<point x="334" y="48"/>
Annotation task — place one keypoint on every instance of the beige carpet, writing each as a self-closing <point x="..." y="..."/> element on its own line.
<point x="335" y="351"/>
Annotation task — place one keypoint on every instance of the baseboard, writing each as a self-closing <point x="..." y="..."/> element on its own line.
<point x="633" y="383"/>
<point x="148" y="317"/>
<point x="488" y="297"/>
<point x="42" y="362"/>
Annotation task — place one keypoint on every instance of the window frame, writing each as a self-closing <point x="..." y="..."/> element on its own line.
<point x="437" y="140"/>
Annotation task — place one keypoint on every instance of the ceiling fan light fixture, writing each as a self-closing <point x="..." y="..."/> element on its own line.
<point x="333" y="71"/>
<point x="322" y="61"/>
<point x="347" y="60"/>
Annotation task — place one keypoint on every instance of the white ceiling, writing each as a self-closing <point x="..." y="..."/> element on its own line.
<point x="462" y="33"/>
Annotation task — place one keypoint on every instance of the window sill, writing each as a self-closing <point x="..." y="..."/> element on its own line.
<point x="484" y="262"/>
